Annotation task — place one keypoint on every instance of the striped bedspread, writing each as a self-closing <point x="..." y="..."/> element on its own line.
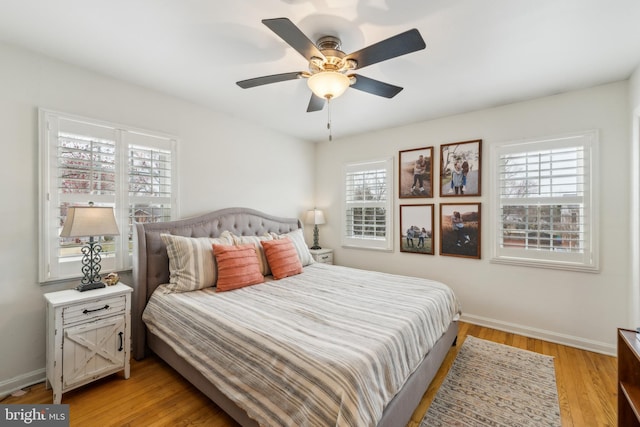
<point x="330" y="346"/>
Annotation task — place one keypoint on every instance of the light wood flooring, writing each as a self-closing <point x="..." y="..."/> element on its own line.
<point x="155" y="395"/>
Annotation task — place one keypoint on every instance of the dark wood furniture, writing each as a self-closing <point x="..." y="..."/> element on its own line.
<point x="628" y="378"/>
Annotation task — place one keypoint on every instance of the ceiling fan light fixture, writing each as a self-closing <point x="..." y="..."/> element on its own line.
<point x="328" y="84"/>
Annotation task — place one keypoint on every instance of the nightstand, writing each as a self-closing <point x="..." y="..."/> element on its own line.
<point x="322" y="255"/>
<point x="88" y="336"/>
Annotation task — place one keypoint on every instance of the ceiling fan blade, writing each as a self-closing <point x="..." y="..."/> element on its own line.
<point x="315" y="103"/>
<point x="291" y="34"/>
<point x="375" y="87"/>
<point x="398" y="45"/>
<point x="265" y="80"/>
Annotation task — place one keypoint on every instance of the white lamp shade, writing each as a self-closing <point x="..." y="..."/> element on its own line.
<point x="328" y="84"/>
<point x="85" y="221"/>
<point x="315" y="216"/>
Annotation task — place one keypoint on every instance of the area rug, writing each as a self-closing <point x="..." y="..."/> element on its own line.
<point x="492" y="384"/>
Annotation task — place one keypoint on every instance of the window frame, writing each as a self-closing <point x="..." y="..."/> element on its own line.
<point x="51" y="267"/>
<point x="588" y="260"/>
<point x="380" y="244"/>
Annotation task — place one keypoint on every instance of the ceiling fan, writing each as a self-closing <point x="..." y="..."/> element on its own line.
<point x="330" y="69"/>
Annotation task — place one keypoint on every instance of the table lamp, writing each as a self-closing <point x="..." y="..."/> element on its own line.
<point x="315" y="217"/>
<point x="90" y="221"/>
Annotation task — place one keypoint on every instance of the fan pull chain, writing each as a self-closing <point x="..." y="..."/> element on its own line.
<point x="329" y="117"/>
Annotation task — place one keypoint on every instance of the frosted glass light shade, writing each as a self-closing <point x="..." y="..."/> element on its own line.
<point x="315" y="216"/>
<point x="328" y="84"/>
<point x="85" y="221"/>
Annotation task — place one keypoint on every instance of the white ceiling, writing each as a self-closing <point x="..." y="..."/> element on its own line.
<point x="479" y="53"/>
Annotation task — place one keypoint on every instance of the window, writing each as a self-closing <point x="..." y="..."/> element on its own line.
<point x="367" y="205"/>
<point x="84" y="160"/>
<point x="545" y="202"/>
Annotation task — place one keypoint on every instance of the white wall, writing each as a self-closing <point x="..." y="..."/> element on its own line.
<point x="634" y="88"/>
<point x="223" y="162"/>
<point x="634" y="104"/>
<point x="582" y="309"/>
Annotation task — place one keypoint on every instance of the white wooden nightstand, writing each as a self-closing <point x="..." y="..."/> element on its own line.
<point x="322" y="255"/>
<point x="88" y="336"/>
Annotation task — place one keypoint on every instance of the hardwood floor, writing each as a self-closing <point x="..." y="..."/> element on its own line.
<point x="155" y="395"/>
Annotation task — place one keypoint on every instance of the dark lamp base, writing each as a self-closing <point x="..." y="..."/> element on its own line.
<point x="315" y="247"/>
<point x="90" y="286"/>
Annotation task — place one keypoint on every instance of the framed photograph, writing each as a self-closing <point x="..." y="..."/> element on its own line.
<point x="416" y="173"/>
<point x="416" y="225"/>
<point x="460" y="229"/>
<point x="461" y="169"/>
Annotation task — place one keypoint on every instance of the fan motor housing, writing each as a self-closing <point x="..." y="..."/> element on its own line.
<point x="329" y="42"/>
<point x="334" y="57"/>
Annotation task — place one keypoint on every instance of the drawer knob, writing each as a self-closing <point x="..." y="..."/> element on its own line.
<point x="85" y="311"/>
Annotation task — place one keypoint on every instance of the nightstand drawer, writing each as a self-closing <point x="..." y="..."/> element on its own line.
<point x="325" y="258"/>
<point x="93" y="309"/>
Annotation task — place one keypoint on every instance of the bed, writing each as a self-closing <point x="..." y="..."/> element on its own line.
<point x="401" y="386"/>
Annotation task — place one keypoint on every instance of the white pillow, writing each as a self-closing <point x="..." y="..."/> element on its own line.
<point x="192" y="265"/>
<point x="298" y="242"/>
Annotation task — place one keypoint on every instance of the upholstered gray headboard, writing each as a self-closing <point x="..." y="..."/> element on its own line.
<point x="151" y="263"/>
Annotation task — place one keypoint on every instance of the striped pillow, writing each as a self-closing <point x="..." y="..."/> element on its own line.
<point x="255" y="240"/>
<point x="237" y="267"/>
<point x="282" y="257"/>
<point x="297" y="238"/>
<point x="191" y="262"/>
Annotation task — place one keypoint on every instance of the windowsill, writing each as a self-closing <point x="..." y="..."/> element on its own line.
<point x="76" y="279"/>
<point x="367" y="248"/>
<point x="523" y="262"/>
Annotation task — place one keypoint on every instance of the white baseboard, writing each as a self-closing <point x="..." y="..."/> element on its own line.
<point x="554" y="337"/>
<point x="21" y="381"/>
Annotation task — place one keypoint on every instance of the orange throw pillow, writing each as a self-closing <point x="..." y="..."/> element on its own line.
<point x="238" y="267"/>
<point x="282" y="258"/>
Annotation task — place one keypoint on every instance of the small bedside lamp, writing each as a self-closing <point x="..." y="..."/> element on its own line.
<point x="90" y="221"/>
<point x="315" y="217"/>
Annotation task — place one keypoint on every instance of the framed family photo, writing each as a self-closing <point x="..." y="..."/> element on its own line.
<point x="460" y="229"/>
<point x="416" y="173"/>
<point x="461" y="169"/>
<point x="416" y="225"/>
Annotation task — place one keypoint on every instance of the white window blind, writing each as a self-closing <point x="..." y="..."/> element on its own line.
<point x="150" y="176"/>
<point x="367" y="204"/>
<point x="85" y="160"/>
<point x="545" y="202"/>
